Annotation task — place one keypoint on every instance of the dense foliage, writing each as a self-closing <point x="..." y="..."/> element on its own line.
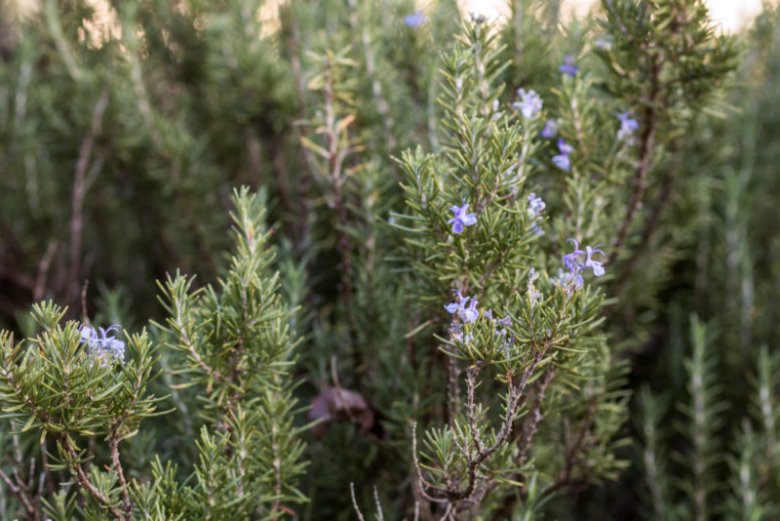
<point x="347" y="259"/>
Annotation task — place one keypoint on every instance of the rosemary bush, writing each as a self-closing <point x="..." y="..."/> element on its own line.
<point x="477" y="269"/>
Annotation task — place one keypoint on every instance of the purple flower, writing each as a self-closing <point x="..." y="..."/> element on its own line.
<point x="102" y="346"/>
<point x="562" y="160"/>
<point x="535" y="205"/>
<point x="571" y="260"/>
<point x="466" y="312"/>
<point x="576" y="265"/>
<point x="597" y="267"/>
<point x="461" y="218"/>
<point x="568" y="67"/>
<point x="550" y="129"/>
<point x="415" y="20"/>
<point x="530" y="103"/>
<point x="628" y="126"/>
<point x="604" y="43"/>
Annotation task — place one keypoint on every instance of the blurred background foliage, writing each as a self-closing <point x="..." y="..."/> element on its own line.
<point x="120" y="147"/>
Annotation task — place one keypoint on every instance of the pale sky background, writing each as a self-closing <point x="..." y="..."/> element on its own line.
<point x="730" y="14"/>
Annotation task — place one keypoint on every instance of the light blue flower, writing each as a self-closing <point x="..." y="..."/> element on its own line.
<point x="595" y="266"/>
<point x="534" y="295"/>
<point x="415" y="20"/>
<point x="571" y="260"/>
<point x="550" y="129"/>
<point x="102" y="346"/>
<point x="535" y="205"/>
<point x="568" y="67"/>
<point x="562" y="160"/>
<point x="529" y="105"/>
<point x="462" y="218"/>
<point x="535" y="208"/>
<point x="464" y="310"/>
<point x="628" y="126"/>
<point x="579" y="261"/>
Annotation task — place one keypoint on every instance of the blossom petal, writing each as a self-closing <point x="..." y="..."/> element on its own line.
<point x="457" y="226"/>
<point x="452" y="308"/>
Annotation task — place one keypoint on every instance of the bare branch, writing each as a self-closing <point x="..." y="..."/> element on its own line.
<point x="354" y="502"/>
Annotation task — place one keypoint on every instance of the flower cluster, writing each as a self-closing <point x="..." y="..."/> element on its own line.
<point x="628" y="126"/>
<point x="568" y="67"/>
<point x="579" y="261"/>
<point x="462" y="218"/>
<point x="562" y="160"/>
<point x="465" y="309"/>
<point x="529" y="105"/>
<point x="102" y="346"/>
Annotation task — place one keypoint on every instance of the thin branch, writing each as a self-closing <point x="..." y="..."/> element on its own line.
<point x="565" y="479"/>
<point x="21" y="492"/>
<point x="418" y="471"/>
<point x="354" y="502"/>
<point x="380" y="516"/>
<point x="80" y="189"/>
<point x="83" y="479"/>
<point x="514" y="399"/>
<point x="652" y="222"/>
<point x="304" y="181"/>
<point x="84" y="310"/>
<point x="453" y="388"/>
<point x="43" y="271"/>
<point x="380" y="102"/>
<point x="116" y="461"/>
<point x="46" y="470"/>
<point x="471" y="385"/>
<point x="529" y="430"/>
<point x="647" y="142"/>
<point x="277" y="464"/>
